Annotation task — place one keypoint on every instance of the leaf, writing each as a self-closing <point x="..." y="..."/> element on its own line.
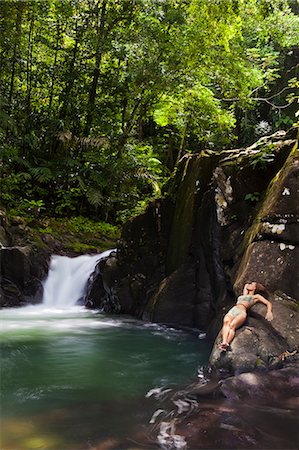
<point x="94" y="197"/>
<point x="41" y="174"/>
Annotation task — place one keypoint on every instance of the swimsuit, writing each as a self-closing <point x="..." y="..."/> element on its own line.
<point x="245" y="298"/>
<point x="236" y="310"/>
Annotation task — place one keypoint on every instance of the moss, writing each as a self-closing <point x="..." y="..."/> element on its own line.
<point x="79" y="247"/>
<point x="182" y="225"/>
<point x="271" y="196"/>
<point x="193" y="170"/>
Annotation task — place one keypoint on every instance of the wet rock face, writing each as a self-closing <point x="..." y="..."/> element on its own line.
<point x="22" y="271"/>
<point x="271" y="251"/>
<point x="272" y="264"/>
<point x="223" y="222"/>
<point x="22" y="267"/>
<point x="175" y="299"/>
<point x="249" y="410"/>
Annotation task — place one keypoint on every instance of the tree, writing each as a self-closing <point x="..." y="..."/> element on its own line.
<point x="101" y="98"/>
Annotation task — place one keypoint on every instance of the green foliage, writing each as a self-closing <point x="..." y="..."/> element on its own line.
<point x="67" y="200"/>
<point x="41" y="174"/>
<point x="98" y="100"/>
<point x="79" y="224"/>
<point x="78" y="247"/>
<point x="263" y="157"/>
<point x="253" y="197"/>
<point x="198" y="110"/>
<point x="127" y="214"/>
<point x="84" y="225"/>
<point x="33" y="206"/>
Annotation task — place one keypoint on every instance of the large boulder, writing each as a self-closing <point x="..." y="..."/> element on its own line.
<point x="275" y="385"/>
<point x="22" y="271"/>
<point x="23" y="263"/>
<point x="259" y="343"/>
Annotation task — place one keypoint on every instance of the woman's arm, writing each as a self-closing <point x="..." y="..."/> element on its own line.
<point x="245" y="290"/>
<point x="261" y="299"/>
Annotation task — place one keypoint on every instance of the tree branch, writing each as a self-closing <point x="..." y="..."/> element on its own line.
<point x="263" y="99"/>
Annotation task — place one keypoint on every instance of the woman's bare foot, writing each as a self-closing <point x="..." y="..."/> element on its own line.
<point x="223" y="346"/>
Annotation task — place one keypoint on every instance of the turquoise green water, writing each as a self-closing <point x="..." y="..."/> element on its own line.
<point x="74" y="379"/>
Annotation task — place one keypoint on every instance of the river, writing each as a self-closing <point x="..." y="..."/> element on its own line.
<point x="77" y="379"/>
<point x="72" y="378"/>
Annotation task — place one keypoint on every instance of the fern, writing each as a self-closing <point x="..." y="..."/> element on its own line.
<point x="25" y="175"/>
<point x="21" y="162"/>
<point x="94" y="197"/>
<point x="41" y="174"/>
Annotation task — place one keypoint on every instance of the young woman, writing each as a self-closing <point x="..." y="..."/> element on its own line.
<point x="236" y="316"/>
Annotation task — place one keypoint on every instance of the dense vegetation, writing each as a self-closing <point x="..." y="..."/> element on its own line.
<point x="100" y="98"/>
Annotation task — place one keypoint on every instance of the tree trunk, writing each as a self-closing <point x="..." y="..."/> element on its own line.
<point x="18" y="33"/>
<point x="58" y="28"/>
<point x="96" y="71"/>
<point x="70" y="77"/>
<point x="29" y="66"/>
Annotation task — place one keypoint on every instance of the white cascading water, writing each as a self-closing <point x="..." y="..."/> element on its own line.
<point x="67" y="279"/>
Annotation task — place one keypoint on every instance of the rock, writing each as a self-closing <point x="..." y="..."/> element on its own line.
<point x="95" y="292"/>
<point x="101" y="290"/>
<point x="10" y="294"/>
<point x="259" y="344"/>
<point x="22" y="270"/>
<point x="253" y="347"/>
<point x="15" y="264"/>
<point x="24" y="261"/>
<point x="219" y="224"/>
<point x="4" y="241"/>
<point x="285" y="318"/>
<point x="276" y="385"/>
<point x="173" y="303"/>
<point x="272" y="264"/>
<point x="271" y="245"/>
<point x="194" y="175"/>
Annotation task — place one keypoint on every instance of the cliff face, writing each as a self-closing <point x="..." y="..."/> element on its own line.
<point x="225" y="219"/>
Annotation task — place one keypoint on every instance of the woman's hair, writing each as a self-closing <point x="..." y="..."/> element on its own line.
<point x="260" y="289"/>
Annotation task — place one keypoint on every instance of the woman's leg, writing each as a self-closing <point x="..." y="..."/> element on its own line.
<point x="226" y="329"/>
<point x="234" y="324"/>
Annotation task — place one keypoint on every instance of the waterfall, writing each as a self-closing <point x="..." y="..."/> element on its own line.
<point x="67" y="279"/>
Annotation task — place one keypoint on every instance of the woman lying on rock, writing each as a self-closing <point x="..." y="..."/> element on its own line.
<point x="236" y="316"/>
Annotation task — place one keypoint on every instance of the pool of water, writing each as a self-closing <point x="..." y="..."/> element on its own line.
<point x="76" y="379"/>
